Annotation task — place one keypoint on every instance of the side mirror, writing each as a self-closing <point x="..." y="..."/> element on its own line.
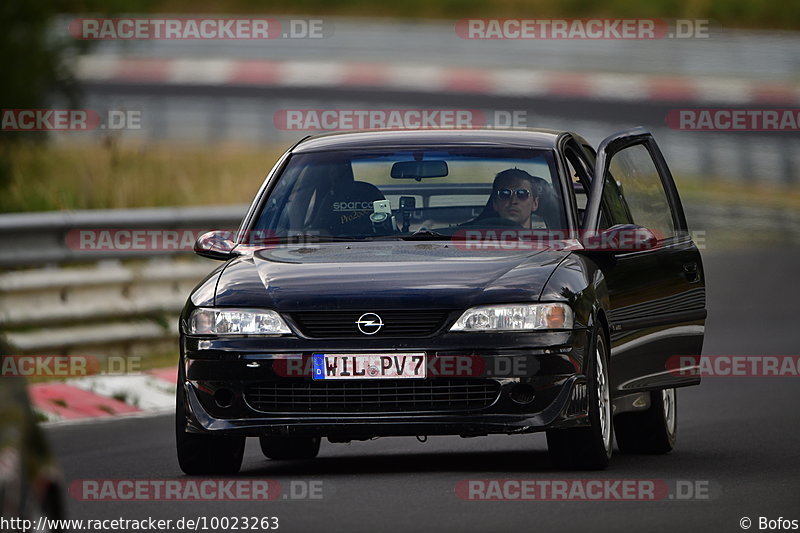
<point x="621" y="238"/>
<point x="215" y="244"/>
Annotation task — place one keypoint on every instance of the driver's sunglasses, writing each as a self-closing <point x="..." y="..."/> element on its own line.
<point x="505" y="194"/>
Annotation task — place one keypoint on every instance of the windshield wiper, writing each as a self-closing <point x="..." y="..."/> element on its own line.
<point x="307" y="239"/>
<point x="426" y="235"/>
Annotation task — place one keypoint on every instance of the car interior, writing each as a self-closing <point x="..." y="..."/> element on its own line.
<point x="330" y="200"/>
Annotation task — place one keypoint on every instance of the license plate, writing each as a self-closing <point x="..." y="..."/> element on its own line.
<point x="369" y="366"/>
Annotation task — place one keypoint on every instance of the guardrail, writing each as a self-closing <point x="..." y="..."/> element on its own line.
<point x="36" y="239"/>
<point x="59" y="298"/>
<point x="107" y="309"/>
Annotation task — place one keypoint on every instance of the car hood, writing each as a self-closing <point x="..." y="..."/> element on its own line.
<point x="383" y="275"/>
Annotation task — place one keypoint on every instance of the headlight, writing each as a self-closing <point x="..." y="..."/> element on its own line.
<point x="236" y="322"/>
<point x="515" y="317"/>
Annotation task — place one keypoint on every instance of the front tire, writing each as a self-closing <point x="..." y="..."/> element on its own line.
<point x="285" y="447"/>
<point x="653" y="431"/>
<point x="200" y="454"/>
<point x="588" y="448"/>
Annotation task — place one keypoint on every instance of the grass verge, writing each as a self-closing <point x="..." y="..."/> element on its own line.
<point x="46" y="177"/>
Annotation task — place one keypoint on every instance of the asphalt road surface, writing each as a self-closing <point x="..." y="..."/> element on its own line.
<point x="738" y="447"/>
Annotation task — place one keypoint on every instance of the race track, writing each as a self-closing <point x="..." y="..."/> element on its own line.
<point x="740" y="437"/>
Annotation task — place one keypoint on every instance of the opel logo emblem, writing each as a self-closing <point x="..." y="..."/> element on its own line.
<point x="369" y="323"/>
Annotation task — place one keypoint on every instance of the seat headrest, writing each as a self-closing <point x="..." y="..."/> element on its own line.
<point x="346" y="210"/>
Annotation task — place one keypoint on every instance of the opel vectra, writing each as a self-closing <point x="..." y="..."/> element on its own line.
<point x="445" y="282"/>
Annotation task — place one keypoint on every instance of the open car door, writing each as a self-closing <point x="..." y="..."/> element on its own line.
<point x="657" y="293"/>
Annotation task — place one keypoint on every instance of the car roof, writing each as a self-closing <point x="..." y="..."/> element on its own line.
<point x="527" y="138"/>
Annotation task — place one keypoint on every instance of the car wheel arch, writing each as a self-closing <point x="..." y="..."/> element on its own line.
<point x="599" y="319"/>
<point x="581" y="283"/>
<point x="602" y="319"/>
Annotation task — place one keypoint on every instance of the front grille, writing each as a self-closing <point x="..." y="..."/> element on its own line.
<point x="402" y="323"/>
<point x="372" y="396"/>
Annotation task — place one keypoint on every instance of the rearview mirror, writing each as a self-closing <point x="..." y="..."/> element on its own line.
<point x="419" y="169"/>
<point x="217" y="244"/>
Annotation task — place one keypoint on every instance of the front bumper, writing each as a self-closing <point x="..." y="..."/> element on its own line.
<point x="547" y="366"/>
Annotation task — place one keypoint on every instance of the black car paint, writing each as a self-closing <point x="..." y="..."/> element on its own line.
<point x="614" y="289"/>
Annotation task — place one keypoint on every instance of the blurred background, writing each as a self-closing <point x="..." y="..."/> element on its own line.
<point x="189" y="128"/>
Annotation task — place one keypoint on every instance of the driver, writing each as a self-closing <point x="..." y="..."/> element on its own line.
<point x="515" y="196"/>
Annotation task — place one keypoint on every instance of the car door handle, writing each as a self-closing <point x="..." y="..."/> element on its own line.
<point x="691" y="273"/>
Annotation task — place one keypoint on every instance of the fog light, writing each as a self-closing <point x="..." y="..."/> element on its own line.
<point x="522" y="394"/>
<point x="223" y="397"/>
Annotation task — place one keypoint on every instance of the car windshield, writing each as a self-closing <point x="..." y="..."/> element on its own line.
<point x="419" y="193"/>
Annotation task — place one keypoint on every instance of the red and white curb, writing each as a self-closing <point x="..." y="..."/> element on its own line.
<point x="93" y="397"/>
<point x="435" y="79"/>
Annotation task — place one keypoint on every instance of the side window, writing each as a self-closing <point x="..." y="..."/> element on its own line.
<point x="611" y="212"/>
<point x="615" y="208"/>
<point x="634" y="192"/>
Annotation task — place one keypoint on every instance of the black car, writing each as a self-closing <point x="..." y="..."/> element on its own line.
<point x="445" y="282"/>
